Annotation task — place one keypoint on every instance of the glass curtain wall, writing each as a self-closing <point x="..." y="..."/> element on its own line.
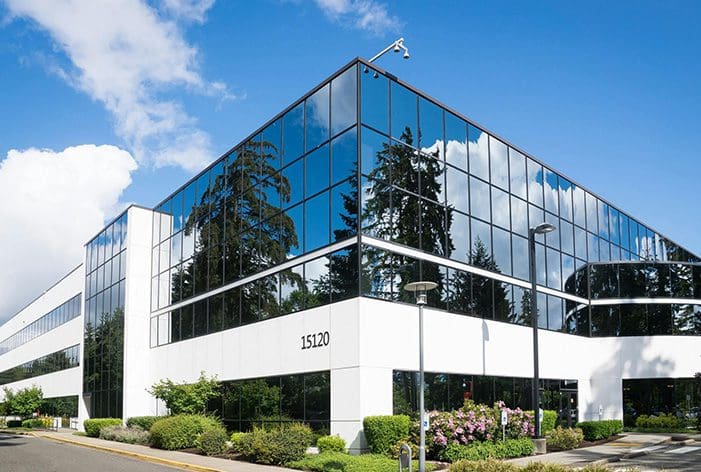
<point x="54" y="362"/>
<point x="103" y="359"/>
<point x="289" y="190"/>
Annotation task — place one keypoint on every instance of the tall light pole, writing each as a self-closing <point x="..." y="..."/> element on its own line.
<point x="420" y="289"/>
<point x="539" y="229"/>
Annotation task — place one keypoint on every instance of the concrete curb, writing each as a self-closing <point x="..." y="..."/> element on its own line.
<point x="135" y="455"/>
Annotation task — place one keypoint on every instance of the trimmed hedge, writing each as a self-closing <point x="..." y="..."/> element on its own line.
<point x="383" y="432"/>
<point x="143" y="422"/>
<point x="595" y="430"/>
<point x="212" y="441"/>
<point x="125" y="435"/>
<point x="566" y="438"/>
<point x="94" y="425"/>
<point x="498" y="466"/>
<point x="331" y="444"/>
<point x="14" y="423"/>
<point x="663" y="421"/>
<point x="241" y="443"/>
<point x="341" y="462"/>
<point x="488" y="450"/>
<point x="276" y="446"/>
<point x="180" y="431"/>
<point x="33" y="423"/>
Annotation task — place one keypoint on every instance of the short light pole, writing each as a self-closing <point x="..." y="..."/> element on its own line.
<point x="420" y="289"/>
<point x="539" y="229"/>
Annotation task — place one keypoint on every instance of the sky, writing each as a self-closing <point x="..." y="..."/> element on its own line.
<point x="110" y="102"/>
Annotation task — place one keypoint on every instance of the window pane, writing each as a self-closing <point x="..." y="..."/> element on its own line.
<point x="344" y="100"/>
<point x="552" y="197"/>
<point x="499" y="161"/>
<point x="431" y="128"/>
<point x="555" y="313"/>
<point x="373" y="149"/>
<point x="517" y="173"/>
<point x="317" y="118"/>
<point x="404" y="111"/>
<point x="481" y="242"/>
<point x="456" y="141"/>
<point x="479" y="199"/>
<point x="535" y="182"/>
<point x="592" y="213"/>
<point x="374" y="106"/>
<point x="479" y="152"/>
<point x="317" y="171"/>
<point x="293" y="183"/>
<point x="433" y="228"/>
<point x="502" y="250"/>
<point x="456" y="186"/>
<point x="317" y="222"/>
<point x="344" y="156"/>
<point x="566" y="237"/>
<point x="565" y="193"/>
<point x="271" y="144"/>
<point x="554" y="271"/>
<point x="520" y="257"/>
<point x="293" y="133"/>
<point x="460" y="237"/>
<point x="500" y="208"/>
<point x="344" y="212"/>
<point x="519" y="216"/>
<point x="603" y="220"/>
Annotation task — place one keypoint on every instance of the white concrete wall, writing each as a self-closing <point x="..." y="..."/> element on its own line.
<point x="137" y="309"/>
<point x="56" y="384"/>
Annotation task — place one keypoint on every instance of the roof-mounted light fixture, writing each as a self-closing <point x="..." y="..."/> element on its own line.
<point x="396" y="46"/>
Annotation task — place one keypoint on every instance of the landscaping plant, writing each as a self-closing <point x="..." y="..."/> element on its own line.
<point x="213" y="440"/>
<point x="123" y="434"/>
<point x="331" y="444"/>
<point x="566" y="438"/>
<point x="383" y="432"/>
<point x="180" y="431"/>
<point x="94" y="425"/>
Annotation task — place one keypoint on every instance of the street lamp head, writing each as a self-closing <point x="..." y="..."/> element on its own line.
<point x="420" y="289"/>
<point x="543" y="228"/>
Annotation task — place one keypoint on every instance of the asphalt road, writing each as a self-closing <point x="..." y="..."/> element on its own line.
<point x="28" y="454"/>
<point x="670" y="458"/>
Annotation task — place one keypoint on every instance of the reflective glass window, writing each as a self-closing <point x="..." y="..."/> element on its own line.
<point x="404" y="114"/>
<point x="603" y="220"/>
<point x="456" y="189"/>
<point x="697" y="281"/>
<point x="295" y="229"/>
<point x="478" y="150"/>
<point x="460" y="237"/>
<point x="566" y="191"/>
<point x="374" y="107"/>
<point x="614" y="226"/>
<point x="552" y="239"/>
<point x="433" y="228"/>
<point x="271" y="144"/>
<point x="374" y="155"/>
<point x="501" y="247"/>
<point x="432" y="183"/>
<point x="499" y="161"/>
<point x="317" y="118"/>
<point x="431" y="128"/>
<point x="293" y="176"/>
<point x="344" y="156"/>
<point x="686" y="319"/>
<point x="593" y="246"/>
<point x="519" y="216"/>
<point x="625" y="232"/>
<point x="479" y="199"/>
<point x="188" y="201"/>
<point x="269" y="293"/>
<point x="500" y="208"/>
<point x="578" y="205"/>
<point x="344" y="100"/>
<point x="317" y="222"/>
<point x="659" y="319"/>
<point x="554" y="269"/>
<point x="536" y="216"/>
<point x="605" y="321"/>
<point x="658" y="280"/>
<point x="566" y="237"/>
<point x="555" y="313"/>
<point x="535" y="182"/>
<point x="344" y="274"/>
<point x="520" y="257"/>
<point x="344" y="213"/>
<point x="517" y="173"/>
<point x="293" y="133"/>
<point x="317" y="170"/>
<point x="592" y="212"/>
<point x="456" y="141"/>
<point x="541" y="270"/>
<point x="481" y="242"/>
<point x="580" y="242"/>
<point x="315" y="273"/>
<point x="552" y="195"/>
<point x="292" y="289"/>
<point x="568" y="274"/>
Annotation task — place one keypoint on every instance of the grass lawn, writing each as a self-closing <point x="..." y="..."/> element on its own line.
<point x="339" y="462"/>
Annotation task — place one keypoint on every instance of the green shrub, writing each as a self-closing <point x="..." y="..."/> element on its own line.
<point x="33" y="423"/>
<point x="94" y="425"/>
<point x="241" y="443"/>
<point x="331" y="444"/>
<point x="383" y="432"/>
<point x="14" y="423"/>
<point x="663" y="421"/>
<point x="477" y="451"/>
<point x="566" y="438"/>
<point x="340" y="462"/>
<point x="595" y="430"/>
<point x="180" y="431"/>
<point x="277" y="446"/>
<point x="125" y="434"/>
<point x="482" y="466"/>
<point x="143" y="422"/>
<point x="212" y="441"/>
<point x="549" y="421"/>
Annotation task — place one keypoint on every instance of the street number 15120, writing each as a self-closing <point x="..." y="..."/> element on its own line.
<point x="319" y="339"/>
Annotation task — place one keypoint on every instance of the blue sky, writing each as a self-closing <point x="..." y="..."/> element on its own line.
<point x="106" y="103"/>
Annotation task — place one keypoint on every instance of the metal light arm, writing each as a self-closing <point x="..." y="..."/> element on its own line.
<point x="396" y="46"/>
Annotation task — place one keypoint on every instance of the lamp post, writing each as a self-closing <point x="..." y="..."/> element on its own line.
<point x="420" y="289"/>
<point x="539" y="229"/>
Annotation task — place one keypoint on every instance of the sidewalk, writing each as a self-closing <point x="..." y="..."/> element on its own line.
<point x="182" y="460"/>
<point x="630" y="445"/>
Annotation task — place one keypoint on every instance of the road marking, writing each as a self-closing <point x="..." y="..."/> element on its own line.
<point x="648" y="449"/>
<point x="684" y="450"/>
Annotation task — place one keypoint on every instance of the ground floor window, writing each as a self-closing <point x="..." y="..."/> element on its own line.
<point x="66" y="407"/>
<point x="449" y="391"/>
<point x="679" y="397"/>
<point x="267" y="401"/>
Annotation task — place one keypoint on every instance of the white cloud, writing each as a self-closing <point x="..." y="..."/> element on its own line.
<point x="128" y="57"/>
<point x="54" y="202"/>
<point x="367" y="15"/>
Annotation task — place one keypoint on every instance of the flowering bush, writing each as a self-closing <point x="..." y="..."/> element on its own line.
<point x="475" y="422"/>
